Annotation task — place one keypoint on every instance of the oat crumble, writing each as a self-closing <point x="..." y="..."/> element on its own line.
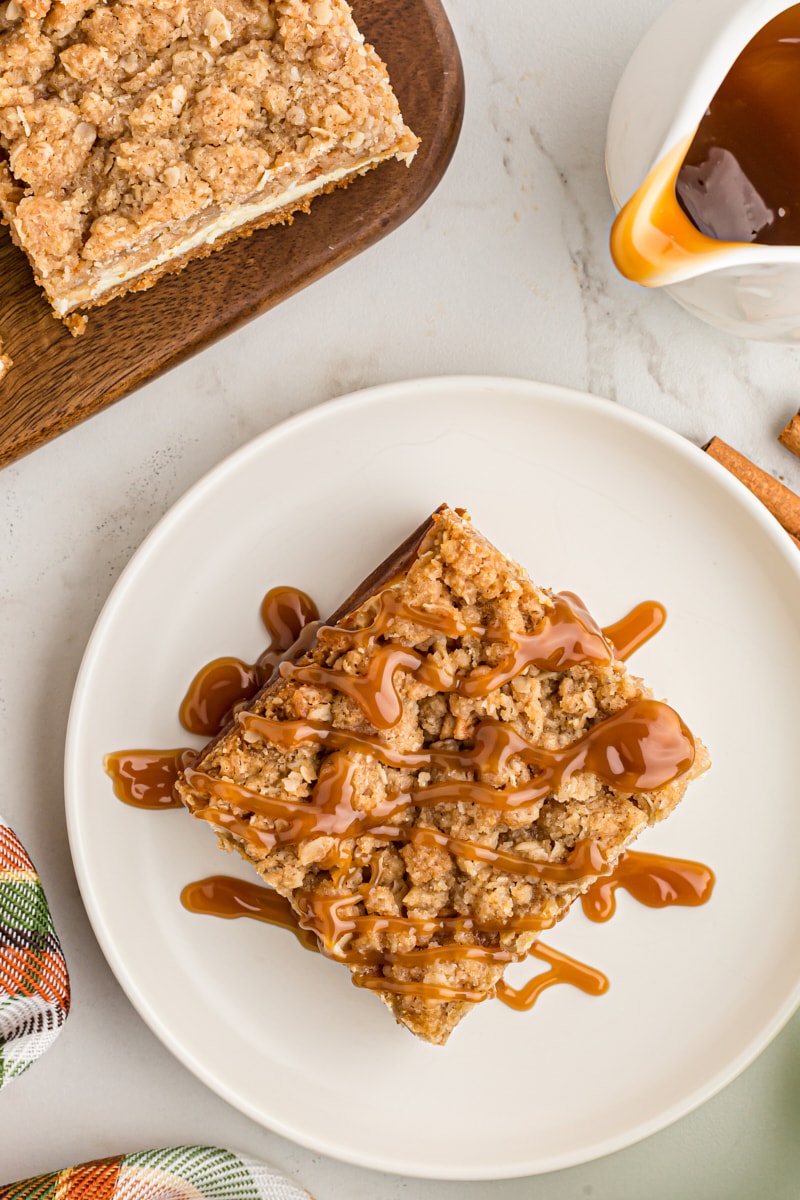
<point x="141" y="133"/>
<point x="455" y="571"/>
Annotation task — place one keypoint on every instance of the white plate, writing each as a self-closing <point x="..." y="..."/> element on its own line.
<point x="591" y="498"/>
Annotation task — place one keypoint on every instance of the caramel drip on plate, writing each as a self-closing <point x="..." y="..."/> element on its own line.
<point x="285" y="612"/>
<point x="654" y="880"/>
<point x="638" y="626"/>
<point x="225" y="682"/>
<point x="566" y="637"/>
<point x="563" y="969"/>
<point x="146" y="778"/>
<point x="224" y="896"/>
<point x="215" y="690"/>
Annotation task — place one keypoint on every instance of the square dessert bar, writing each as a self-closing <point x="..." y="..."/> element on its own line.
<point x="456" y="758"/>
<point x="139" y="134"/>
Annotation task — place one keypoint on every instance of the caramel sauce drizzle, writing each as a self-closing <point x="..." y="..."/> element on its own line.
<point x="416" y="987"/>
<point x="222" y="896"/>
<point x="567" y="636"/>
<point x="652" y="880"/>
<point x="225" y="682"/>
<point x="586" y="859"/>
<point x="639" y="749"/>
<point x="643" y="747"/>
<point x="146" y="778"/>
<point x="331" y="925"/>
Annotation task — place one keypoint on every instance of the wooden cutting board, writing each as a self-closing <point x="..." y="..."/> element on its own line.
<point x="58" y="380"/>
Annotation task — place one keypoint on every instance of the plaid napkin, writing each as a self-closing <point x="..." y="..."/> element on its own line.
<point x="34" y="985"/>
<point x="34" y="1002"/>
<point x="180" y="1173"/>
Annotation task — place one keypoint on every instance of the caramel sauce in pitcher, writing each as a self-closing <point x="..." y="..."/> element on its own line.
<point x="736" y="180"/>
<point x="740" y="179"/>
<point x="640" y="748"/>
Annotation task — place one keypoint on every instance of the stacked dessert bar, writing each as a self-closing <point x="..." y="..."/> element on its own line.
<point x="456" y="758"/>
<point x="139" y="134"/>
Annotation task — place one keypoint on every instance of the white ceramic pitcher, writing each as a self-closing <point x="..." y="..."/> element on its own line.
<point x="743" y="288"/>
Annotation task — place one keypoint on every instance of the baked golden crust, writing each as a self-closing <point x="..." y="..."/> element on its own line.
<point x="468" y="860"/>
<point x="141" y="133"/>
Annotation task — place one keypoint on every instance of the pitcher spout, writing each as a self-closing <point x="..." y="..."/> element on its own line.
<point x="654" y="243"/>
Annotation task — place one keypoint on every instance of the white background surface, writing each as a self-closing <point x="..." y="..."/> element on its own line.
<point x="505" y="271"/>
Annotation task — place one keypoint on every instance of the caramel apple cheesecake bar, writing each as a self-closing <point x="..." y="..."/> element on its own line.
<point x="139" y="134"/>
<point x="454" y="760"/>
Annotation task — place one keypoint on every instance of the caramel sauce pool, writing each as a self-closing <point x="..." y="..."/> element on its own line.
<point x="740" y="179"/>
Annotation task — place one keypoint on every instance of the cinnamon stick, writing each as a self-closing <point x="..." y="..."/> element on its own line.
<point x="790" y="436"/>
<point x="782" y="502"/>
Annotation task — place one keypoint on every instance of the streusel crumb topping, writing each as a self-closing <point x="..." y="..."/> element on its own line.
<point x="441" y="862"/>
<point x="126" y="119"/>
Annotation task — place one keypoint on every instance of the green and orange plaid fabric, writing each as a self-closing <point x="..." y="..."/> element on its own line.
<point x="34" y="985"/>
<point x="34" y="1002"/>
<point x="179" y="1173"/>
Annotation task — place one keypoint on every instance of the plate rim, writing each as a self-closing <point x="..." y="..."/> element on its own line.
<point x="213" y="478"/>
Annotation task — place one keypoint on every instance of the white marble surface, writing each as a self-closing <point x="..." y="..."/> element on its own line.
<point x="504" y="271"/>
